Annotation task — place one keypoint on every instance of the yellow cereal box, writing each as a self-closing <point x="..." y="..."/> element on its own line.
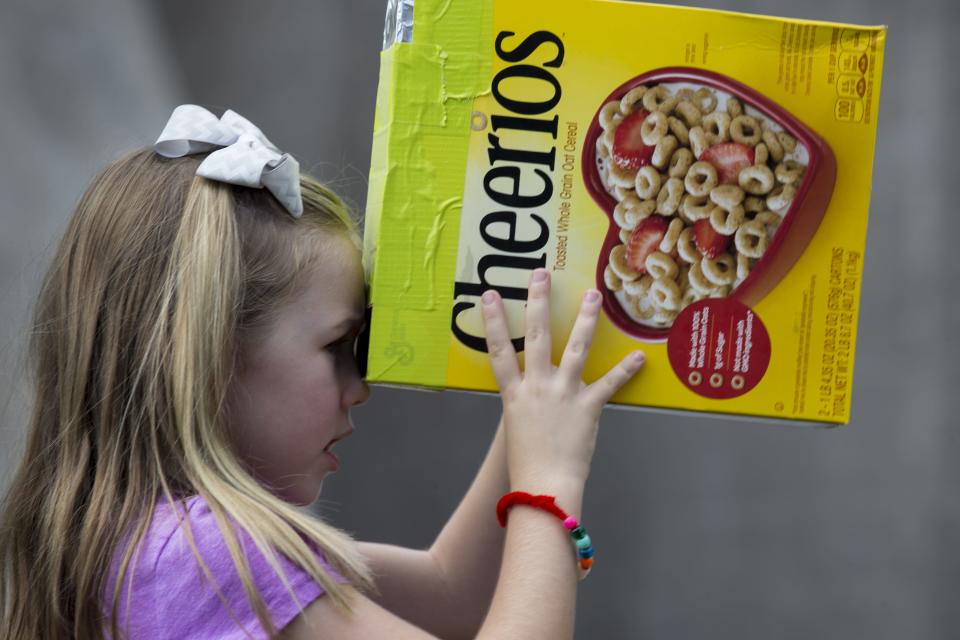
<point x="709" y="172"/>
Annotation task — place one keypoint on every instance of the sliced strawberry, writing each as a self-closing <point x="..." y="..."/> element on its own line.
<point x="728" y="159"/>
<point x="710" y="243"/>
<point x="629" y="152"/>
<point x="644" y="240"/>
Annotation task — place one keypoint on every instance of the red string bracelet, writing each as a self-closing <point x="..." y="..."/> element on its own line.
<point x="548" y="503"/>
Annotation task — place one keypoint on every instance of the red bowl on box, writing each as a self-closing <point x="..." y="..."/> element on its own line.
<point x="800" y="221"/>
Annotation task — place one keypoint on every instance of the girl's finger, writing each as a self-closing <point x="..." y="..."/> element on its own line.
<point x="600" y="392"/>
<point x="503" y="357"/>
<point x="581" y="337"/>
<point x="537" y="338"/>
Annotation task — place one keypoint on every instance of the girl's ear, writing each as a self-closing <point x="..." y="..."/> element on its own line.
<point x="363" y="342"/>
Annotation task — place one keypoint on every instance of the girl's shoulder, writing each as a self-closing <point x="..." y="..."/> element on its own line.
<point x="169" y="595"/>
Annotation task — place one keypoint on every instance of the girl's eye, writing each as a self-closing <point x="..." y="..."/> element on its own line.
<point x="342" y="346"/>
<point x="334" y="347"/>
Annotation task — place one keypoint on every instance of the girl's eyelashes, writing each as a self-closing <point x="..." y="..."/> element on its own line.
<point x="348" y="340"/>
<point x="335" y="347"/>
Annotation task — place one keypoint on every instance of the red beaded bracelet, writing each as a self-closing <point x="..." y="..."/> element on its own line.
<point x="578" y="534"/>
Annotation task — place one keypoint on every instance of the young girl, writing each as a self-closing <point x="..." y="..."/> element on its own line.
<point x="194" y="363"/>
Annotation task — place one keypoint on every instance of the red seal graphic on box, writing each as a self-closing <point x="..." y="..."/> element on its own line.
<point x="719" y="348"/>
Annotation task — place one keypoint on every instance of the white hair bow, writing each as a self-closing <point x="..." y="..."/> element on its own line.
<point x="247" y="157"/>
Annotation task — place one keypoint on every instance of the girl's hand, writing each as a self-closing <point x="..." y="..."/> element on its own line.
<point x="550" y="416"/>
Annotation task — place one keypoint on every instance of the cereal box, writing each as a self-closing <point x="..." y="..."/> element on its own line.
<point x="709" y="172"/>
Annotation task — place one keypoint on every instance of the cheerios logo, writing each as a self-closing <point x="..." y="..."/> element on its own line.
<point x="519" y="178"/>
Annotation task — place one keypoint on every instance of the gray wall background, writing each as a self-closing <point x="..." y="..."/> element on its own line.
<point x="706" y="529"/>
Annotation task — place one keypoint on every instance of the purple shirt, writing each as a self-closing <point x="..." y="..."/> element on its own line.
<point x="172" y="598"/>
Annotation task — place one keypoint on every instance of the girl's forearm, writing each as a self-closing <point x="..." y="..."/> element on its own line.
<point x="536" y="594"/>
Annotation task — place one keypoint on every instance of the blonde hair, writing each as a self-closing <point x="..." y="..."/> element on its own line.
<point x="136" y="330"/>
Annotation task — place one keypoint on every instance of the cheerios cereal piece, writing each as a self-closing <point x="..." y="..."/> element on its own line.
<point x="630" y="217"/>
<point x="720" y="270"/>
<point x="644" y="209"/>
<point x="647" y="183"/>
<point x="625" y="235"/>
<point x="620" y="264"/>
<point x="754" y="204"/>
<point x="751" y="239"/>
<point x="781" y="197"/>
<point x="623" y="193"/>
<point x="685" y="94"/>
<point x="672" y="236"/>
<point x="689" y="296"/>
<point x="602" y="150"/>
<point x="693" y="208"/>
<point x="610" y="115"/>
<point x="689" y="112"/>
<point x="629" y="101"/>
<point x="727" y="196"/>
<point x="665" y="294"/>
<point x="773" y="145"/>
<point x="663" y="151"/>
<point x="640" y="286"/>
<point x="679" y="130"/>
<point x="788" y="172"/>
<point x="787" y="141"/>
<point x="720" y="292"/>
<point x="665" y="317"/>
<point x="726" y="222"/>
<point x="639" y="309"/>
<point x="757" y="179"/>
<point x="668" y="105"/>
<point x="701" y="179"/>
<point x="621" y="177"/>
<point x="654" y="97"/>
<point x="734" y="108"/>
<point x="632" y="201"/>
<point x="705" y="100"/>
<point x="653" y="128"/>
<point x="697" y="280"/>
<point x="698" y="141"/>
<point x="717" y="127"/>
<point x="768" y="219"/>
<point x="680" y="163"/>
<point x="743" y="267"/>
<point x="700" y="295"/>
<point x="607" y="138"/>
<point x="668" y="200"/>
<point x="760" y="155"/>
<point x="687" y="246"/>
<point x="626" y="299"/>
<point x="621" y="211"/>
<point x="612" y="280"/>
<point x="745" y="130"/>
<point x="660" y="265"/>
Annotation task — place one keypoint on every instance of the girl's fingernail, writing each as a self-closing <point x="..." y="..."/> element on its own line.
<point x="591" y="295"/>
<point x="638" y="357"/>
<point x="539" y="275"/>
<point x="488" y="297"/>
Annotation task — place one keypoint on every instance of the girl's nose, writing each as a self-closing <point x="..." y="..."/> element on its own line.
<point x="361" y="394"/>
<point x="357" y="390"/>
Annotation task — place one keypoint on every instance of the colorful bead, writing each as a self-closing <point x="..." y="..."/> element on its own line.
<point x="583" y="542"/>
<point x="578" y="533"/>
<point x="586" y="553"/>
<point x="586" y="563"/>
<point x="570" y="522"/>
